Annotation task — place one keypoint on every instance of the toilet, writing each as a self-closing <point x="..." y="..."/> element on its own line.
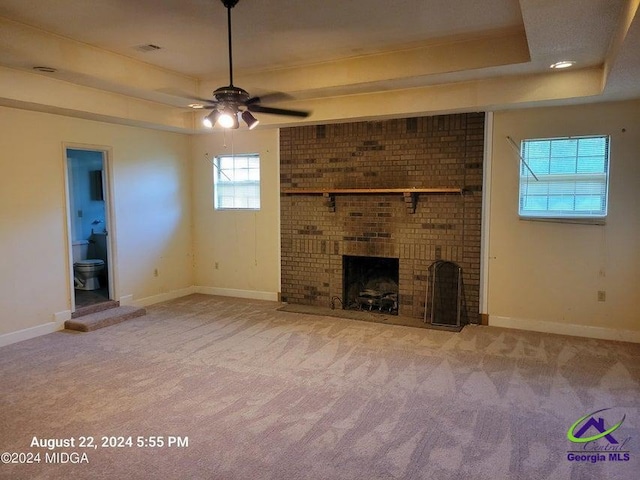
<point x="85" y="270"/>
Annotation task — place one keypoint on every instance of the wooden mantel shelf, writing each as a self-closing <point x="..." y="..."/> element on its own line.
<point x="322" y="191"/>
<point x="410" y="194"/>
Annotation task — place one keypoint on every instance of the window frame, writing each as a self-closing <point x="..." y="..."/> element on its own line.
<point x="526" y="177"/>
<point x="233" y="172"/>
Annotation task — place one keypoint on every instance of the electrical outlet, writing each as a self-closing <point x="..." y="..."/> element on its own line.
<point x="155" y="272"/>
<point x="215" y="265"/>
<point x="602" y="295"/>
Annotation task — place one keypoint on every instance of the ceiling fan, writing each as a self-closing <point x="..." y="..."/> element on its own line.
<point x="231" y="102"/>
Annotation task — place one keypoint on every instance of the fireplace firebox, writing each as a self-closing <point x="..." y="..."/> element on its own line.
<point x="370" y="283"/>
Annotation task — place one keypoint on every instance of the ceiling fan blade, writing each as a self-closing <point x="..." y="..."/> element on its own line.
<point x="181" y="94"/>
<point x="270" y="97"/>
<point x="203" y="101"/>
<point x="203" y="104"/>
<point x="253" y="107"/>
<point x="192" y="99"/>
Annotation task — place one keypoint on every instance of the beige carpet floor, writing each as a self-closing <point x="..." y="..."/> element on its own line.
<point x="266" y="394"/>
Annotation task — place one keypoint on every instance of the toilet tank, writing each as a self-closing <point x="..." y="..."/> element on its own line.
<point x="80" y="249"/>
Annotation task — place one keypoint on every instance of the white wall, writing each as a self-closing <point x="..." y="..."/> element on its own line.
<point x="545" y="276"/>
<point x="244" y="244"/>
<point x="151" y="184"/>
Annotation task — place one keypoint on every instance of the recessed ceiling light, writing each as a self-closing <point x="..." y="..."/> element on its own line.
<point x="196" y="105"/>
<point x="45" y="69"/>
<point x="562" y="64"/>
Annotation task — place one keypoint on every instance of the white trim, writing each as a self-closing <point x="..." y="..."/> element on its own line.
<point x="110" y="221"/>
<point x="109" y="213"/>
<point x="61" y="317"/>
<point x="68" y="231"/>
<point x="231" y="292"/>
<point x="279" y="209"/>
<point x="486" y="213"/>
<point x="565" y="329"/>
<point x="126" y="300"/>
<point x="183" y="292"/>
<point x="161" y="297"/>
<point x="29" y="333"/>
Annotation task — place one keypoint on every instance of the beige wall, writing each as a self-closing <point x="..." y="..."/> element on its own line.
<point x="541" y="276"/>
<point x="545" y="276"/>
<point x="152" y="210"/>
<point x="245" y="245"/>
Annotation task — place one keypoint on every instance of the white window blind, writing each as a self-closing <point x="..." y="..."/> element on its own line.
<point x="572" y="177"/>
<point x="236" y="180"/>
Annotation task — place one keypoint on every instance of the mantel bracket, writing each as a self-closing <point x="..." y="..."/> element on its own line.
<point x="410" y="200"/>
<point x="329" y="201"/>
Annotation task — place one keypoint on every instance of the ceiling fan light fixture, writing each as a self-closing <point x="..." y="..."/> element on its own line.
<point x="230" y="102"/>
<point x="228" y="119"/>
<point x="251" y="121"/>
<point x="210" y="120"/>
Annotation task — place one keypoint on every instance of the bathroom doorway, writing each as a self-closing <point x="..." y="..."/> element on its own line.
<point x="88" y="208"/>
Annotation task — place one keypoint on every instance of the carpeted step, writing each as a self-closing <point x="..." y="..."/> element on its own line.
<point x="105" y="318"/>
<point x="96" y="307"/>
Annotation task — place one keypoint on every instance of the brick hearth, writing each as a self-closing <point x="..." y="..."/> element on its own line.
<point x="427" y="152"/>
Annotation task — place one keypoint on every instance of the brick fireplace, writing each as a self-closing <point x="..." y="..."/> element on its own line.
<point x="405" y="189"/>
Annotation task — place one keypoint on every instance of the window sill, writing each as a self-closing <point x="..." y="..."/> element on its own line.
<point x="574" y="221"/>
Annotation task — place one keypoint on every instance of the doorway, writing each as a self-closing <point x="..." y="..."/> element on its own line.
<point x="88" y="210"/>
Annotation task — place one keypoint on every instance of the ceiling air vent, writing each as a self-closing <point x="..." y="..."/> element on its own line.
<point x="45" y="69"/>
<point x="150" y="47"/>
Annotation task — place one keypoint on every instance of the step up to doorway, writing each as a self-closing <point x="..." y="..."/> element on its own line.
<point x="104" y="318"/>
<point x="95" y="307"/>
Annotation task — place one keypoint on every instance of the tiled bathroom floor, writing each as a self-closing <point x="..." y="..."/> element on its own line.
<point x="85" y="298"/>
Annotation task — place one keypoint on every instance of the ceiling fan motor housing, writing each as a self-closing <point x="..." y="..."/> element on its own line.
<point x="231" y="94"/>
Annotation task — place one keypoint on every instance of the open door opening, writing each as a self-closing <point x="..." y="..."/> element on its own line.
<point x="88" y="211"/>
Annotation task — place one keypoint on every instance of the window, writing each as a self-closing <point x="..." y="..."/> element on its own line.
<point x="236" y="180"/>
<point x="572" y="177"/>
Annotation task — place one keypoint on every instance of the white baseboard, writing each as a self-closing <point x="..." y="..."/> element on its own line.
<point x="232" y="292"/>
<point x="572" y="329"/>
<point x="126" y="300"/>
<point x="61" y="317"/>
<point x="29" y="333"/>
<point x="162" y="297"/>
